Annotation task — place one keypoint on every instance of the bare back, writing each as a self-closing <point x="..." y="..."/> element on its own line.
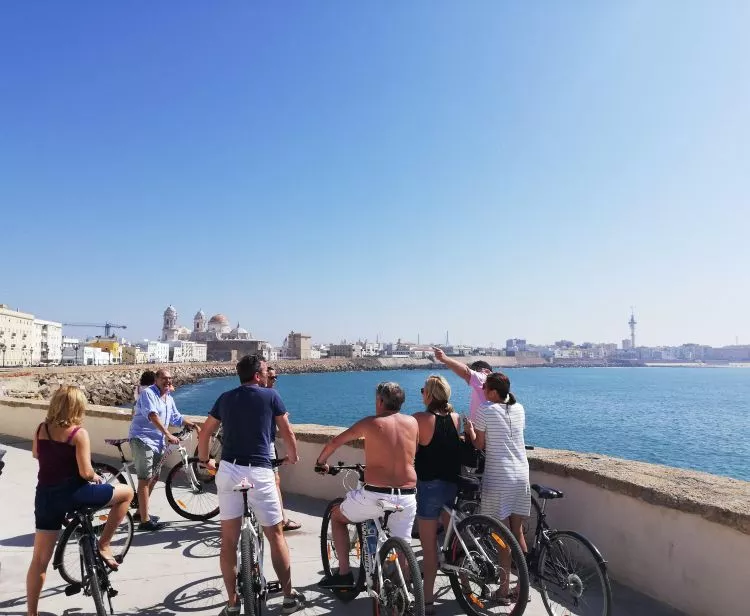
<point x="390" y="447"/>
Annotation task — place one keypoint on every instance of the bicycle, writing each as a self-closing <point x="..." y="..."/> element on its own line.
<point x="252" y="586"/>
<point x="570" y="570"/>
<point x="66" y="556"/>
<point x="382" y="559"/>
<point x="94" y="571"/>
<point x="187" y="486"/>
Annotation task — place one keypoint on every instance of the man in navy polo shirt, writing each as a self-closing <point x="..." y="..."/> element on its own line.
<point x="248" y="415"/>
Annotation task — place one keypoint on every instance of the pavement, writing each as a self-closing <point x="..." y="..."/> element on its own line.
<point x="176" y="571"/>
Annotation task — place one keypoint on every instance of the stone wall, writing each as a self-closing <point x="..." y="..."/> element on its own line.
<point x="113" y="385"/>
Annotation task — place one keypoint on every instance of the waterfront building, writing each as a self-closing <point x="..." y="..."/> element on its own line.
<point x="110" y="345"/>
<point x="514" y="345"/>
<point x="296" y="346"/>
<point x="47" y="343"/>
<point x="627" y="345"/>
<point x="345" y="350"/>
<point x="81" y="354"/>
<point x="183" y="351"/>
<point x="16" y="337"/>
<point x="156" y="352"/>
<point x="133" y="355"/>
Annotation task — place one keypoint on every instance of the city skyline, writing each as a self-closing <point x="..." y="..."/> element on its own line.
<point x="496" y="170"/>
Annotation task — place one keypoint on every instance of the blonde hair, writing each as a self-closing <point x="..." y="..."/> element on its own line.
<point x="439" y="390"/>
<point x="67" y="407"/>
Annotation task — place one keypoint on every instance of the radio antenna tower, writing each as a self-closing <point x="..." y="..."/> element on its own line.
<point x="632" y="323"/>
<point x="447" y="342"/>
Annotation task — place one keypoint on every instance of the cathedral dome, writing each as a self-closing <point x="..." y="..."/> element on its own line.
<point x="219" y="319"/>
<point x="170" y="311"/>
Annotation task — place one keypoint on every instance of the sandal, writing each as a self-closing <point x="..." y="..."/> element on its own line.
<point x="110" y="561"/>
<point x="290" y="525"/>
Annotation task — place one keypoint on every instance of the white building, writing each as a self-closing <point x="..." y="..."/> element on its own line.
<point x="16" y="337"/>
<point x="79" y="354"/>
<point x="183" y="351"/>
<point x="157" y="352"/>
<point x="47" y="342"/>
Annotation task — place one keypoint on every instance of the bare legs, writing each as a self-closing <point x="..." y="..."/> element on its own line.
<point x="145" y="487"/>
<point x="428" y="539"/>
<point x="230" y="536"/>
<point x="120" y="503"/>
<point x="44" y="546"/>
<point x="340" y="534"/>
<point x="280" y="556"/>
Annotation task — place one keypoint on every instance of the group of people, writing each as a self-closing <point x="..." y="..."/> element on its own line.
<point x="412" y="461"/>
<point x="415" y="463"/>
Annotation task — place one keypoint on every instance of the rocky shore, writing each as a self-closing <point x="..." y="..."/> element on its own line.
<point x="114" y="385"/>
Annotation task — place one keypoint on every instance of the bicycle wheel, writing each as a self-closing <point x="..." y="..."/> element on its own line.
<point x="492" y="578"/>
<point x="94" y="585"/>
<point x="248" y="593"/>
<point x="214" y="447"/>
<point x="573" y="576"/>
<point x="67" y="556"/>
<point x="530" y="524"/>
<point x="402" y="593"/>
<point x="113" y="476"/>
<point x="328" y="550"/>
<point x="192" y="494"/>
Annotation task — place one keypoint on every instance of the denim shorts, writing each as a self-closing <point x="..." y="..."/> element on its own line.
<point x="432" y="495"/>
<point x="147" y="462"/>
<point x="52" y="503"/>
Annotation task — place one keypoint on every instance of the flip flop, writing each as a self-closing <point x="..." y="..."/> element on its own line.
<point x="110" y="561"/>
<point x="291" y="525"/>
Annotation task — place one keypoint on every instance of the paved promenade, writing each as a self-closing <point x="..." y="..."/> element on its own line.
<point x="176" y="571"/>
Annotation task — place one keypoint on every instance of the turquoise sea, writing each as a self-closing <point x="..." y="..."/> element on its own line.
<point x="696" y="418"/>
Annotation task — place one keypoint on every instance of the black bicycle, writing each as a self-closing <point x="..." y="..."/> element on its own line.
<point x="569" y="570"/>
<point x="94" y="571"/>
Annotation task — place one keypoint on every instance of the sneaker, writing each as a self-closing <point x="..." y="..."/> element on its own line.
<point x="337" y="581"/>
<point x="233" y="610"/>
<point x="137" y="517"/>
<point x="151" y="525"/>
<point x="293" y="603"/>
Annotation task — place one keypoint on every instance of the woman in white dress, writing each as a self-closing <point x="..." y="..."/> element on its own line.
<point x="499" y="431"/>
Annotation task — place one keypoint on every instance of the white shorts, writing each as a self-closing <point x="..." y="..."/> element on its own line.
<point x="360" y="505"/>
<point x="262" y="497"/>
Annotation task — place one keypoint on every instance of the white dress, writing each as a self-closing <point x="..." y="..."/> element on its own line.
<point x="505" y="485"/>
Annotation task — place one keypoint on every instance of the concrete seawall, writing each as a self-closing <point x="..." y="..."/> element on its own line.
<point x="113" y="385"/>
<point x="679" y="536"/>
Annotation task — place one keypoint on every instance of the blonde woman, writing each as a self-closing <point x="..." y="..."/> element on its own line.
<point x="438" y="464"/>
<point x="66" y="481"/>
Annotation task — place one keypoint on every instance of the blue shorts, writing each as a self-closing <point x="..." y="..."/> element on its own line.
<point x="432" y="495"/>
<point x="52" y="503"/>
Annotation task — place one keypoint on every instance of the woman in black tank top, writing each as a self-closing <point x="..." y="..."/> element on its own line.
<point x="438" y="464"/>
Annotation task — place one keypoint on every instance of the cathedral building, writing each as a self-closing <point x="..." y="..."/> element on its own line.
<point x="224" y="343"/>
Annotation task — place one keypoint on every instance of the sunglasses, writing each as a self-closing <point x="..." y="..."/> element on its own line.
<point x="272" y="378"/>
<point x="421" y="391"/>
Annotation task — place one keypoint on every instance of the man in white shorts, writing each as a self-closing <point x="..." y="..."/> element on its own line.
<point x="248" y="415"/>
<point x="390" y="446"/>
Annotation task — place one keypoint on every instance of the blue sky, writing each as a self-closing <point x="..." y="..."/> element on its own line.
<point x="352" y="169"/>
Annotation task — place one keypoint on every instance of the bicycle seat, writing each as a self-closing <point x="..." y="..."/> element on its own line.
<point x="544" y="492"/>
<point x="243" y="486"/>
<point x="468" y="484"/>
<point x="389" y="506"/>
<point x="116" y="441"/>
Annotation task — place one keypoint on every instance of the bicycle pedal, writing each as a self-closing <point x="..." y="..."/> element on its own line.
<point x="73" y="589"/>
<point x="111" y="592"/>
<point x="273" y="587"/>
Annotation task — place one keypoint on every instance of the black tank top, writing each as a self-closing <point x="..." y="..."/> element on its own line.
<point x="440" y="459"/>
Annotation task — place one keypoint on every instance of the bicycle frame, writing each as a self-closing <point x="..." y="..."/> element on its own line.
<point x="455" y="517"/>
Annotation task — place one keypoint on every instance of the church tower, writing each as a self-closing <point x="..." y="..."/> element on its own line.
<point x="199" y="321"/>
<point x="169" y="329"/>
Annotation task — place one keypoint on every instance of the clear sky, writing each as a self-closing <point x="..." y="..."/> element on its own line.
<point x="349" y="169"/>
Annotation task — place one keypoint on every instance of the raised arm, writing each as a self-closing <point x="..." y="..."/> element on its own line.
<point x="456" y="366"/>
<point x="347" y="436"/>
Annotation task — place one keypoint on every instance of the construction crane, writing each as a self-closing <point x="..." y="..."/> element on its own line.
<point x="108" y="327"/>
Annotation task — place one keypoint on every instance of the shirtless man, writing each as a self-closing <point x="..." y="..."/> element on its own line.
<point x="390" y="446"/>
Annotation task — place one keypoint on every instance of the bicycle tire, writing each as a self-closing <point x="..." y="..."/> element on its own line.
<point x="504" y="537"/>
<point x="417" y="605"/>
<point x="250" y="597"/>
<point x="327" y="549"/>
<point x="174" y="502"/>
<point x="89" y="562"/>
<point x="65" y="543"/>
<point x="573" y="579"/>
<point x="109" y="473"/>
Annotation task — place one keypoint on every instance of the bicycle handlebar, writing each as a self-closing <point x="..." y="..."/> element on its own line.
<point x="335" y="470"/>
